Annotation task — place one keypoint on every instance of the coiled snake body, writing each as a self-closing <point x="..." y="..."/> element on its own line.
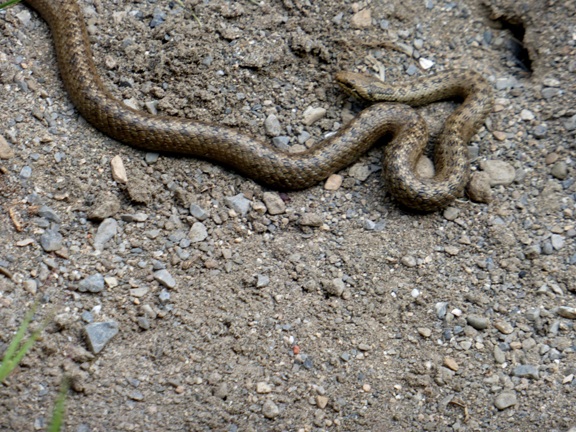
<point x="268" y="165"/>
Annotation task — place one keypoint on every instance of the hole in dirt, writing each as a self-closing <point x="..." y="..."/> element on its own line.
<point x="515" y="44"/>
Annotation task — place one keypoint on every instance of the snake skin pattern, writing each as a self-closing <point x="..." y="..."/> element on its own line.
<point x="261" y="161"/>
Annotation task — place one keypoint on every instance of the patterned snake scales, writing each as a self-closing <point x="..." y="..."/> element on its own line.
<point x="267" y="165"/>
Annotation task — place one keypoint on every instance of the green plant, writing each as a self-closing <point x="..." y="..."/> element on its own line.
<point x="9" y="3"/>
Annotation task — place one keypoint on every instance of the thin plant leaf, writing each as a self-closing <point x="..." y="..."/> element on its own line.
<point x="9" y="3"/>
<point x="12" y="357"/>
<point x="59" y="407"/>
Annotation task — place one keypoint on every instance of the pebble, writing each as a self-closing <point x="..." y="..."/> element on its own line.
<point x="450" y="363"/>
<point x="274" y="203"/>
<point x="526" y="371"/>
<point x="311" y="219"/>
<point x="441" y="308"/>
<point x="451" y="213"/>
<point x="333" y="182"/>
<point x="425" y="167"/>
<point x="30" y="286"/>
<point x="165" y="278"/>
<point x="505" y="400"/>
<point x="272" y="125"/>
<point x="312" y="115"/>
<point x="424" y="332"/>
<point x="198" y="212"/>
<point x="409" y="261"/>
<point x="262" y="281"/>
<point x="425" y="63"/>
<point x="499" y="355"/>
<point x="478" y="322"/>
<point x="6" y="151"/>
<point x="239" y="203"/>
<point x="503" y="327"/>
<point x="25" y="172"/>
<point x="198" y="232"/>
<point x="321" y="401"/>
<point x="105" y="206"/>
<point x="361" y="19"/>
<point x="118" y="170"/>
<point x="557" y="241"/>
<point x="93" y="283"/>
<point x="360" y="171"/>
<point x="560" y="170"/>
<point x="270" y="409"/>
<point x="526" y="115"/>
<point x="567" y="312"/>
<point x="151" y="158"/>
<point x="51" y="241"/>
<point x="478" y="188"/>
<point x="500" y="172"/>
<point x="99" y="334"/>
<point x="540" y="131"/>
<point x="335" y="287"/>
<point x="570" y="124"/>
<point x="134" y="217"/>
<point x="263" y="388"/>
<point x="106" y="231"/>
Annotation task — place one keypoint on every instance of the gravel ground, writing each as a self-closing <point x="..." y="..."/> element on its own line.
<point x="186" y="297"/>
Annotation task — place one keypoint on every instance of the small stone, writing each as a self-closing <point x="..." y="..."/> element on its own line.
<point x="270" y="409"/>
<point x="540" y="131"/>
<point x="239" y="203"/>
<point x="106" y="231"/>
<point x="505" y="400"/>
<point x="570" y="124"/>
<point x="499" y="355"/>
<point x="93" y="283"/>
<point x="274" y="204"/>
<point x="567" y="312"/>
<point x="30" y="286"/>
<point x="321" y="401"/>
<point x="450" y="363"/>
<point x="452" y="250"/>
<point x="500" y="136"/>
<point x="441" y="308"/>
<point x="360" y="171"/>
<point x="361" y="19"/>
<point x="263" y="388"/>
<point x="143" y="323"/>
<point x="198" y="232"/>
<point x="478" y="188"/>
<point x="503" y="327"/>
<point x="198" y="212"/>
<point x="451" y="213"/>
<point x="221" y="391"/>
<point x="409" y="261"/>
<point x="526" y="115"/>
<point x="311" y="219"/>
<point x="118" y="170"/>
<point x="312" y="115"/>
<point x="135" y="217"/>
<point x="557" y="241"/>
<point x="151" y="158"/>
<point x="425" y="63"/>
<point x="500" y="172"/>
<point x="262" y="281"/>
<point x="425" y="167"/>
<point x="560" y="170"/>
<point x="333" y="182"/>
<point x="272" y="125"/>
<point x="335" y="287"/>
<point x="99" y="334"/>
<point x="136" y="395"/>
<point x="6" y="151"/>
<point x="424" y="332"/>
<point x="165" y="278"/>
<point x="51" y="241"/>
<point x="105" y="206"/>
<point x="526" y="371"/>
<point x="25" y="172"/>
<point x="478" y="322"/>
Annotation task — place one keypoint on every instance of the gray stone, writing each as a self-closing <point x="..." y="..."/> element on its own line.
<point x="499" y="355"/>
<point x="270" y="409"/>
<point x="239" y="203"/>
<point x="99" y="334"/>
<point x="106" y="205"/>
<point x="93" y="283"/>
<point x="198" y="232"/>
<point x="165" y="278"/>
<point x="164" y="296"/>
<point x="272" y="126"/>
<point x="526" y="371"/>
<point x="262" y="281"/>
<point x="106" y="231"/>
<point x="134" y="217"/>
<point x="409" y="261"/>
<point x="557" y="241"/>
<point x="500" y="172"/>
<point x="51" y="241"/>
<point x="567" y="312"/>
<point x="478" y="188"/>
<point x="335" y="287"/>
<point x="441" y="308"/>
<point x="282" y="143"/>
<point x="540" y="131"/>
<point x="151" y="158"/>
<point x="25" y="172"/>
<point x="360" y="171"/>
<point x="478" y="322"/>
<point x="311" y="219"/>
<point x="560" y="170"/>
<point x="505" y="400"/>
<point x="570" y="124"/>
<point x="198" y="212"/>
<point x="47" y="213"/>
<point x="451" y="213"/>
<point x="6" y="151"/>
<point x="274" y="204"/>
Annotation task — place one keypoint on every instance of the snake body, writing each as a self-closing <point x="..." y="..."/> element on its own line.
<point x="263" y="162"/>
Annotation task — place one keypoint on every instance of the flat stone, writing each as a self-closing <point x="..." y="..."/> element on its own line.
<point x="503" y="327"/>
<point x="198" y="212"/>
<point x="198" y="232"/>
<point x="51" y="241"/>
<point x="105" y="206"/>
<point x="6" y="151"/>
<point x="270" y="410"/>
<point x="526" y="371"/>
<point x="262" y="281"/>
<point x="272" y="125"/>
<point x="361" y="19"/>
<point x="118" y="170"/>
<point x="274" y="203"/>
<point x="165" y="278"/>
<point x="478" y="188"/>
<point x="239" y="203"/>
<point x="409" y="261"/>
<point x="333" y="182"/>
<point x="335" y="287"/>
<point x="263" y="388"/>
<point x="311" y="219"/>
<point x="505" y="400"/>
<point x="99" y="334"/>
<point x="360" y="171"/>
<point x="478" y="322"/>
<point x="321" y="401"/>
<point x="312" y="115"/>
<point x="560" y="170"/>
<point x="106" y="231"/>
<point x="134" y="217"/>
<point x="500" y="172"/>
<point x="567" y="312"/>
<point x="93" y="283"/>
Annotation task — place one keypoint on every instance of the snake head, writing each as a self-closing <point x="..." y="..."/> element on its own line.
<point x="356" y="84"/>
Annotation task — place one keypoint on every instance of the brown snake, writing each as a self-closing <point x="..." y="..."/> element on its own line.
<point x="270" y="166"/>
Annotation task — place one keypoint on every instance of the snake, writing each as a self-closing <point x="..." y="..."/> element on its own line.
<point x="389" y="116"/>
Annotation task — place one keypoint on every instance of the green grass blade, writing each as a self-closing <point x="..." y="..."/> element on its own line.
<point x="58" y="412"/>
<point x="9" y="3"/>
<point x="11" y="357"/>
